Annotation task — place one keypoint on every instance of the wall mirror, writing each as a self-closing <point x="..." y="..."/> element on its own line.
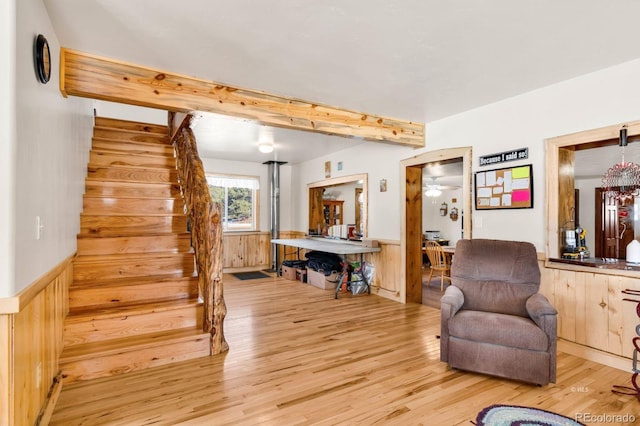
<point x="338" y="207"/>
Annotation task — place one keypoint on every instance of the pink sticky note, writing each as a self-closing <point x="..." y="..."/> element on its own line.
<point x="521" y="195"/>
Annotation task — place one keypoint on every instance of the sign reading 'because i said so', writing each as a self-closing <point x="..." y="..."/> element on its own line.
<point x="501" y="157"/>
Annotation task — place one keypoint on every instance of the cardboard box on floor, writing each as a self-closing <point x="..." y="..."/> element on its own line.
<point x="320" y="280"/>
<point x="301" y="275"/>
<point x="289" y="272"/>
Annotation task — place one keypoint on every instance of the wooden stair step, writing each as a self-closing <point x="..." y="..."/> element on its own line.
<point x="106" y="188"/>
<point x="94" y="325"/>
<point x="117" y="356"/>
<point x="130" y="135"/>
<point x="131" y="265"/>
<point x="106" y="225"/>
<point x="145" y="148"/>
<point x="147" y="243"/>
<point x="131" y="125"/>
<point x="124" y="206"/>
<point x="132" y="173"/>
<point x="133" y="303"/>
<point x="107" y="158"/>
<point x="105" y="293"/>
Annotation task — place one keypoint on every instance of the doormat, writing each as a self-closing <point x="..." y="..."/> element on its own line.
<point x="253" y="275"/>
<point x="511" y="415"/>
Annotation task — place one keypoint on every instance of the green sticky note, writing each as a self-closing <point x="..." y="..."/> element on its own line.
<point x="520" y="172"/>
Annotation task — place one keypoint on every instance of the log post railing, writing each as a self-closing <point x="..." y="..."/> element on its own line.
<point x="205" y="219"/>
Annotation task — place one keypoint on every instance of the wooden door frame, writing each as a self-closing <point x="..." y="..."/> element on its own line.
<point x="411" y="231"/>
<point x="559" y="163"/>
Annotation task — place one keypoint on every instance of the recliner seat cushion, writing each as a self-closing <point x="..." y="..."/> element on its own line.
<point x="498" y="329"/>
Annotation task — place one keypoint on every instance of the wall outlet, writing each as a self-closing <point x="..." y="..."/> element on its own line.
<point x="38" y="375"/>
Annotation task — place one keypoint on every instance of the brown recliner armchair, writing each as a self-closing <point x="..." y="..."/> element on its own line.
<point x="493" y="320"/>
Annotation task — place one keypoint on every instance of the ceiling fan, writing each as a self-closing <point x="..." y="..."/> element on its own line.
<point x="434" y="189"/>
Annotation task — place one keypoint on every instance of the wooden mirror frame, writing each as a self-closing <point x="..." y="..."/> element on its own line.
<point x="314" y="195"/>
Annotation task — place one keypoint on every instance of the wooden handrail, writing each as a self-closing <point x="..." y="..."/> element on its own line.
<point x="205" y="219"/>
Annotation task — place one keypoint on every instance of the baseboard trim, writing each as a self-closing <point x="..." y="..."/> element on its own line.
<point x="595" y="355"/>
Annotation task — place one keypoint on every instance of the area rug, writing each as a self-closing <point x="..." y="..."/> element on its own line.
<point x="513" y="415"/>
<point x="253" y="275"/>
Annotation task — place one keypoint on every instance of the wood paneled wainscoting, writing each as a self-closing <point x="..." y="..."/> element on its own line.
<point x="251" y="251"/>
<point x="31" y="328"/>
<point x="386" y="278"/>
<point x="593" y="321"/>
<point x="245" y="251"/>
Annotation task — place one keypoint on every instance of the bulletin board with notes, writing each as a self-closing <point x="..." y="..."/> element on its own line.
<point x="508" y="188"/>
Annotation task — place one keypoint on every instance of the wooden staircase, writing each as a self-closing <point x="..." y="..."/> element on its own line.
<point x="134" y="302"/>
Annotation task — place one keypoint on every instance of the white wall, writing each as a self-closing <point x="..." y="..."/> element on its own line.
<point x="52" y="140"/>
<point x="432" y="221"/>
<point x="131" y="112"/>
<point x="594" y="100"/>
<point x="246" y="168"/>
<point x="379" y="161"/>
<point x="7" y="145"/>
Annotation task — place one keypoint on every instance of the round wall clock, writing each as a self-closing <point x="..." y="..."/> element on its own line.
<point x="42" y="59"/>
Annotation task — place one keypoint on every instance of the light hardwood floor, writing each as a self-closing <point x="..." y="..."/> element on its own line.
<point x="298" y="356"/>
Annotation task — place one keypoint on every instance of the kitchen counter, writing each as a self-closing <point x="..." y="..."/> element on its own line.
<point x="600" y="263"/>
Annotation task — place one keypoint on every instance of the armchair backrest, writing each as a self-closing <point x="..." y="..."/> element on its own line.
<point x="495" y="275"/>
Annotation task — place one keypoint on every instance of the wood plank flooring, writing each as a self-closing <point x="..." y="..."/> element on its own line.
<point x="298" y="356"/>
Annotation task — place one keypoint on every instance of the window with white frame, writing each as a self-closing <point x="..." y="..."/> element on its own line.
<point x="238" y="196"/>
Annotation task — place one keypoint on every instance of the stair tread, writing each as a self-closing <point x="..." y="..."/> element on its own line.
<point x="129" y="309"/>
<point x="114" y="122"/>
<point x="116" y="282"/>
<point x="129" y="344"/>
<point x="143" y="143"/>
<point x="130" y="154"/>
<point x="119" y="183"/>
<point x="175" y="197"/>
<point x="109" y="258"/>
<point x="130" y="166"/>
<point x="133" y="196"/>
<point x="155" y="135"/>
<point x="132" y="214"/>
<point x="184" y="234"/>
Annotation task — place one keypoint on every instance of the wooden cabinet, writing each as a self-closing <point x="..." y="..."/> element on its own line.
<point x="332" y="210"/>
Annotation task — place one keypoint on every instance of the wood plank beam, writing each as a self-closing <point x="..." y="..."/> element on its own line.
<point x="95" y="77"/>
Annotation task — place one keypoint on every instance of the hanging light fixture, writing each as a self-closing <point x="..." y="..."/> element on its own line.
<point x="265" y="140"/>
<point x="265" y="147"/>
<point x="432" y="192"/>
<point x="433" y="189"/>
<point x="622" y="181"/>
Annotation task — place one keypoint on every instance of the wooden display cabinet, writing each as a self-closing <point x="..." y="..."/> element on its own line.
<point x="332" y="210"/>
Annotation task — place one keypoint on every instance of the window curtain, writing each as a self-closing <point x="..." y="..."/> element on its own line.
<point x="233" y="182"/>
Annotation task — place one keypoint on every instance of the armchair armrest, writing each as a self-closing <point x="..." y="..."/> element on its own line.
<point x="546" y="317"/>
<point x="450" y="303"/>
<point x="538" y="307"/>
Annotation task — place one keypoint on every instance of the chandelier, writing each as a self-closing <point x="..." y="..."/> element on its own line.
<point x="622" y="181"/>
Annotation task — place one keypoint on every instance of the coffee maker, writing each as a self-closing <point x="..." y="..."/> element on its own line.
<point x="574" y="243"/>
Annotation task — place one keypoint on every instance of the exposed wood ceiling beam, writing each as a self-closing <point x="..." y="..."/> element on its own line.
<point x="95" y="77"/>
